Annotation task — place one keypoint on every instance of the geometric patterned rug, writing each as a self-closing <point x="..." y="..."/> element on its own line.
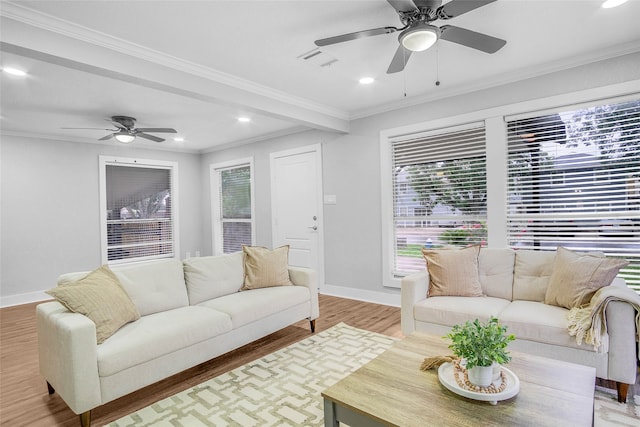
<point x="280" y="389"/>
<point x="283" y="388"/>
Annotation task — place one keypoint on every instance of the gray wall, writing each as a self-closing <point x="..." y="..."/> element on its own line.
<point x="50" y="219"/>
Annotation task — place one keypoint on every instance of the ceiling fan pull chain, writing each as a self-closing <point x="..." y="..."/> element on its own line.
<point x="437" y="66"/>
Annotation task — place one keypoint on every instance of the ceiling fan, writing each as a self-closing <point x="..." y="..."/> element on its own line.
<point x="126" y="132"/>
<point x="418" y="34"/>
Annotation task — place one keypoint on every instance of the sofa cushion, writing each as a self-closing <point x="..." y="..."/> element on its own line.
<point x="449" y="311"/>
<point x="539" y="322"/>
<point x="495" y="270"/>
<point x="154" y="286"/>
<point x="265" y="268"/>
<point x="213" y="276"/>
<point x="453" y="272"/>
<point x="100" y="297"/>
<point x="249" y="306"/>
<point x="531" y="274"/>
<point x="577" y="276"/>
<point x="159" y="334"/>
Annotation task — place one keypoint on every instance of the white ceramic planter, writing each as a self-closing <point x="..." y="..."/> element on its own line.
<point x="481" y="376"/>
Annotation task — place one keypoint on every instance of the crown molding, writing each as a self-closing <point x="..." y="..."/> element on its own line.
<point x="66" y="28"/>
<point x="502" y="79"/>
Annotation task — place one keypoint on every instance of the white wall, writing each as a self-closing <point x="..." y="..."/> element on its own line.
<point x="50" y="219"/>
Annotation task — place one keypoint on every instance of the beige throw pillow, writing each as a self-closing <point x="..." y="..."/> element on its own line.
<point x="101" y="298"/>
<point x="265" y="268"/>
<point x="577" y="276"/>
<point x="453" y="272"/>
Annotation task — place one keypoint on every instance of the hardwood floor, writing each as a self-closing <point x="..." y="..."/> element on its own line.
<point x="24" y="400"/>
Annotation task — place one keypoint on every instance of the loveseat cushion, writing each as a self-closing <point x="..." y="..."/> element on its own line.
<point x="248" y="306"/>
<point x="495" y="270"/>
<point x="539" y="322"/>
<point x="159" y="334"/>
<point x="152" y="286"/>
<point x="449" y="311"/>
<point x="213" y="276"/>
<point x="531" y="274"/>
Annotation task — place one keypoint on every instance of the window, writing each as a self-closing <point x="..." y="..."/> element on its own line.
<point x="232" y="207"/>
<point x="439" y="193"/>
<point x="573" y="182"/>
<point x="138" y="218"/>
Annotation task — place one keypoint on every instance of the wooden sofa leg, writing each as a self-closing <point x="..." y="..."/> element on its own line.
<point x="50" y="388"/>
<point x="622" y="391"/>
<point x="312" y="323"/>
<point x="85" y="419"/>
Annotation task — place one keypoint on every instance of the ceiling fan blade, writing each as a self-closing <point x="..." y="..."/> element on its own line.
<point x="458" y="7"/>
<point x="108" y="130"/>
<point x="471" y="39"/>
<point x="356" y="35"/>
<point x="399" y="60"/>
<point x="160" y="130"/>
<point x="104" y="138"/>
<point x="402" y="5"/>
<point x="151" y="137"/>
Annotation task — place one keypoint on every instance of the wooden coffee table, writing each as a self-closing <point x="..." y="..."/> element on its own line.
<point x="392" y="391"/>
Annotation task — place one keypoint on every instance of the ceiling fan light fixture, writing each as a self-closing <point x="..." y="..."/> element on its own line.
<point x="420" y="36"/>
<point x="125" y="137"/>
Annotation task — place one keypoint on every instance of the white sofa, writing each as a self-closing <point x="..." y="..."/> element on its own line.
<point x="514" y="284"/>
<point x="190" y="313"/>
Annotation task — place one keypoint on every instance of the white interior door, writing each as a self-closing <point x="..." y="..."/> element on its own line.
<point x="296" y="206"/>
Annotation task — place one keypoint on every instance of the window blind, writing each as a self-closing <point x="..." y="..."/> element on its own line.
<point x="139" y="213"/>
<point x="574" y="181"/>
<point x="439" y="193"/>
<point x="235" y="208"/>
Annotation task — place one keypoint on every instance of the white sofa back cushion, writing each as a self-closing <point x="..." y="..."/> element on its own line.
<point x="152" y="286"/>
<point x="495" y="269"/>
<point x="213" y="276"/>
<point x="531" y="274"/>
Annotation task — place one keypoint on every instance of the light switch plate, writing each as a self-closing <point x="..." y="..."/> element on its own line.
<point x="330" y="199"/>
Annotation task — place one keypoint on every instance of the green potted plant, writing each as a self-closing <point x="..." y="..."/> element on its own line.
<point x="481" y="345"/>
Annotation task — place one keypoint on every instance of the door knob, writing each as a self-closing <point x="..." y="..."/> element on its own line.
<point x="314" y="228"/>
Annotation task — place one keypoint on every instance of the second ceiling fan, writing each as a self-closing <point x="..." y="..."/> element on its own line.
<point x="418" y="34"/>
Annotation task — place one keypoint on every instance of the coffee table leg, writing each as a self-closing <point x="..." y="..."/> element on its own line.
<point x="330" y="414"/>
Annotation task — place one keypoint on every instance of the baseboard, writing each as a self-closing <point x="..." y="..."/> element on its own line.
<point x="11" y="300"/>
<point x="362" y="295"/>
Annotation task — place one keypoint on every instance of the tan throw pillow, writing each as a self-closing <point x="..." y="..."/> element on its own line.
<point x="453" y="272"/>
<point x="264" y="268"/>
<point x="577" y="276"/>
<point x="101" y="298"/>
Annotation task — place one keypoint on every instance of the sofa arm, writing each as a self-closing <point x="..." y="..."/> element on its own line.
<point x="621" y="328"/>
<point x="413" y="289"/>
<point x="67" y="350"/>
<point x="307" y="277"/>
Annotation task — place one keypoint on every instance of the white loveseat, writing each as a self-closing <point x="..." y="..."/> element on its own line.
<point x="514" y="284"/>
<point x="190" y="312"/>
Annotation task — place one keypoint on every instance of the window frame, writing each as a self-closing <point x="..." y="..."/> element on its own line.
<point x="216" y="214"/>
<point x="105" y="161"/>
<point x="496" y="152"/>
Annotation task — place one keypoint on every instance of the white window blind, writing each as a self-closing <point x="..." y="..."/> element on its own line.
<point x="233" y="218"/>
<point x="140" y="216"/>
<point x="574" y="181"/>
<point x="439" y="193"/>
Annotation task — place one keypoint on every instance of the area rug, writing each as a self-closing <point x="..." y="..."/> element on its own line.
<point x="283" y="388"/>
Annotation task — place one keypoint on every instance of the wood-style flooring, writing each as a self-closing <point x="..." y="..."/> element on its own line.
<point x="24" y="400"/>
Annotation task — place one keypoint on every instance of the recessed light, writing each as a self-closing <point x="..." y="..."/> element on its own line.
<point x="14" y="71"/>
<point x="608" y="4"/>
<point x="244" y="119"/>
<point x="178" y="139"/>
<point x="366" y="80"/>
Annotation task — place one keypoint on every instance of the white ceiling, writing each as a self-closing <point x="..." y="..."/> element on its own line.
<point x="198" y="65"/>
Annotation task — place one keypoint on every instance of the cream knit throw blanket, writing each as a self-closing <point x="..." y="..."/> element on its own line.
<point x="589" y="323"/>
